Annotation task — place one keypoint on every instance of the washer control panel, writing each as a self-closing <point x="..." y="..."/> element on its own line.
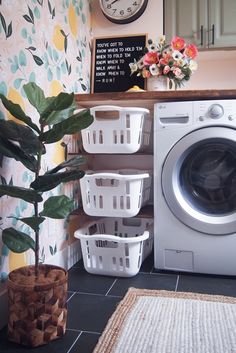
<point x="213" y="110"/>
<point x="177" y="115"/>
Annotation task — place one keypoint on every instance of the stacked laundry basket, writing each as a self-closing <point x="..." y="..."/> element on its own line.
<point x="117" y="243"/>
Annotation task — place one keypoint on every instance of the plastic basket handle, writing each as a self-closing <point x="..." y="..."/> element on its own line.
<point x="103" y="237"/>
<point x="118" y="176"/>
<point x="107" y="108"/>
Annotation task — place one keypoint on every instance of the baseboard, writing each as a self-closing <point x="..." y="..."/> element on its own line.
<point x="65" y="258"/>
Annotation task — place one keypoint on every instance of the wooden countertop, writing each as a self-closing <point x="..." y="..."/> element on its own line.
<point x="147" y="98"/>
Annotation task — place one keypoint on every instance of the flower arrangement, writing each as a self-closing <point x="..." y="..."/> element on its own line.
<point x="174" y="61"/>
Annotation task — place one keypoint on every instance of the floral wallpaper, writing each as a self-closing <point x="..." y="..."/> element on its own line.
<point x="47" y="42"/>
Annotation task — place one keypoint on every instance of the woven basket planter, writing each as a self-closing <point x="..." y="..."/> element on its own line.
<point x="37" y="309"/>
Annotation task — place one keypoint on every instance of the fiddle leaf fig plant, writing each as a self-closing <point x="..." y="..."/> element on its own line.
<point x="26" y="142"/>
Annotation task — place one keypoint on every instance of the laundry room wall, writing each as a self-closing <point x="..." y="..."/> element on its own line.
<point x="216" y="69"/>
<point x="46" y="42"/>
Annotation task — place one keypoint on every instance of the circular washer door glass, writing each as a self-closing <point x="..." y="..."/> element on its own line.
<point x="199" y="180"/>
<point x="208" y="177"/>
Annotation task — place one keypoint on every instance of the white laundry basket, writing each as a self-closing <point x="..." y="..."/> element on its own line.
<point x="116" y="246"/>
<point x="118" y="193"/>
<point x="117" y="130"/>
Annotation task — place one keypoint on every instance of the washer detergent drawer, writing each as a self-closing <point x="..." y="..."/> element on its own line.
<point x="178" y="260"/>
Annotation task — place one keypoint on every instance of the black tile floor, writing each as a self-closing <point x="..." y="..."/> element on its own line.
<point x="92" y="299"/>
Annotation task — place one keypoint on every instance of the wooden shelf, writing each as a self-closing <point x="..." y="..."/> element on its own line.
<point x="83" y="153"/>
<point x="146" y="98"/>
<point x="145" y="212"/>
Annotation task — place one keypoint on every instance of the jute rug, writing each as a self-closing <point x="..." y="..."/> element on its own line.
<point x="152" y="321"/>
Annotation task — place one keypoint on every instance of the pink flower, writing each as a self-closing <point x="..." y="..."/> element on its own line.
<point x="178" y="43"/>
<point x="191" y="51"/>
<point x="150" y="58"/>
<point x="178" y="73"/>
<point x="166" y="70"/>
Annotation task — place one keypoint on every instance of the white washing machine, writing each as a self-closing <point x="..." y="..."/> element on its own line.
<point x="195" y="186"/>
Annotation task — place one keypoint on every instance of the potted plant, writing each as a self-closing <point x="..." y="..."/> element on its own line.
<point x="37" y="293"/>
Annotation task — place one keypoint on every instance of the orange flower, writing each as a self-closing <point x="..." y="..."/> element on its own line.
<point x="150" y="58"/>
<point x="165" y="60"/>
<point x="146" y="73"/>
<point x="178" y="43"/>
<point x="191" y="51"/>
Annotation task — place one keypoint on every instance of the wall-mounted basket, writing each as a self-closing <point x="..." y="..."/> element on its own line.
<point x="117" y="130"/>
<point x="118" y="193"/>
<point x="116" y="246"/>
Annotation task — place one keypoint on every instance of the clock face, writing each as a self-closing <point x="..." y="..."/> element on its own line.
<point x="123" y="11"/>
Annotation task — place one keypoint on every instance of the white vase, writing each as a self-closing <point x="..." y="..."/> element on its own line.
<point x="157" y="83"/>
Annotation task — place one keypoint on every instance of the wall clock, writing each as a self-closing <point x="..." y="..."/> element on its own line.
<point x="123" y="11"/>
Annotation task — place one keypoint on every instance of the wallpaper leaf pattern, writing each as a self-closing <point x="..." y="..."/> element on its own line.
<point x="7" y="29"/>
<point x="47" y="42"/>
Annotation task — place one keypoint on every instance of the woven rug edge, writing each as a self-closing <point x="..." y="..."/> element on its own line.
<point x="113" y="328"/>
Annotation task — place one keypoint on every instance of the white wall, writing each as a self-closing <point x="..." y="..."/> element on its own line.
<point x="151" y="22"/>
<point x="216" y="69"/>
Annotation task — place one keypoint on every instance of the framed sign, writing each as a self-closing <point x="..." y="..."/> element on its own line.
<point x="110" y="63"/>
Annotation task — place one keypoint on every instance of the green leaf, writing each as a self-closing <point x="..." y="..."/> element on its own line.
<point x="38" y="60"/>
<point x="84" y="88"/>
<point x="26" y="138"/>
<point x="17" y="241"/>
<point x="51" y="249"/>
<point x="60" y="102"/>
<point x="4" y="26"/>
<point x="17" y="112"/>
<point x="31" y="14"/>
<point x="33" y="222"/>
<point x="31" y="48"/>
<point x="65" y="44"/>
<point x="20" y="193"/>
<point x="3" y="180"/>
<point x="28" y="19"/>
<point x="69" y="126"/>
<point x="57" y="116"/>
<point x="50" y="181"/>
<point x="9" y="30"/>
<point x="63" y="33"/>
<point x="74" y="162"/>
<point x="57" y="207"/>
<point x="49" y="6"/>
<point x="36" y="97"/>
<point x="10" y="150"/>
<point x="22" y="58"/>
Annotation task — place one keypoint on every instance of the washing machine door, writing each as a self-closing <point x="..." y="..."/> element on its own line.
<point x="199" y="180"/>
